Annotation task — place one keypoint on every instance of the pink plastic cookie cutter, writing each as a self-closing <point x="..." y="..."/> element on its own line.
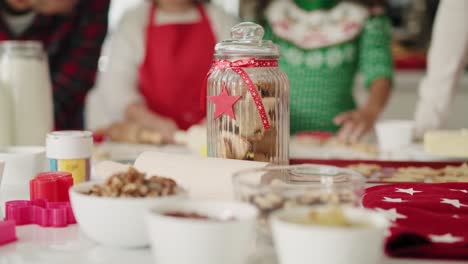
<point x="7" y="232"/>
<point x="52" y="186"/>
<point x="40" y="212"/>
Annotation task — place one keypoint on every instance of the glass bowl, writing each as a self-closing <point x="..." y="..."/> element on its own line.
<point x="277" y="187"/>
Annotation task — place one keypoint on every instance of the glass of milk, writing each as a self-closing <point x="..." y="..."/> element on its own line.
<point x="25" y="83"/>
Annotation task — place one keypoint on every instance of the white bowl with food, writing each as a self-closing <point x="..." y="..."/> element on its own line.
<point x="112" y="212"/>
<point x="202" y="231"/>
<point x="328" y="235"/>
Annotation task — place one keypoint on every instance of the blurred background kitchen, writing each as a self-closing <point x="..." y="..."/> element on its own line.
<point x="412" y="22"/>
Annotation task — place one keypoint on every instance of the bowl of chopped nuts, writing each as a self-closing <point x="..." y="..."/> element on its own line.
<point x="112" y="212"/>
<point x="276" y="187"/>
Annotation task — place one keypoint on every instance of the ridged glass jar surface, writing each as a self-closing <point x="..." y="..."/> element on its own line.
<point x="245" y="136"/>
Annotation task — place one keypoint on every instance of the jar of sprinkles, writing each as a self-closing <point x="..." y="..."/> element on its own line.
<point x="70" y="151"/>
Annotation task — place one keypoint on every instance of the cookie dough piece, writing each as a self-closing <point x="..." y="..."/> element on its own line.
<point x="455" y="170"/>
<point x="133" y="133"/>
<point x="367" y="170"/>
<point x="123" y="132"/>
<point x="399" y="178"/>
<point x="463" y="179"/>
<point x="359" y="147"/>
<point x="444" y="179"/>
<point x="365" y="148"/>
<point x="411" y="176"/>
<point x="426" y="171"/>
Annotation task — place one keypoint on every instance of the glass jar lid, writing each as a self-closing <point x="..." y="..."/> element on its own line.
<point x="247" y="40"/>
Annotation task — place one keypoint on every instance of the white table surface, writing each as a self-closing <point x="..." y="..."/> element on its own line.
<point x="37" y="245"/>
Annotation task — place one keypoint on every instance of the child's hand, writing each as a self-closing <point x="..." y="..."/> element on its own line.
<point x="355" y="124"/>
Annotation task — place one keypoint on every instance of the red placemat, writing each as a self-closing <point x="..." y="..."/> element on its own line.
<point x="429" y="220"/>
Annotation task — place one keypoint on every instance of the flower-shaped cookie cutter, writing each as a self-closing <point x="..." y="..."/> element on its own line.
<point x="40" y="212"/>
<point x="7" y="232"/>
<point x="52" y="186"/>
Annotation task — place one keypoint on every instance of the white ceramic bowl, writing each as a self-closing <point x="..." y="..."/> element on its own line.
<point x="117" y="222"/>
<point x="199" y="241"/>
<point x="304" y="244"/>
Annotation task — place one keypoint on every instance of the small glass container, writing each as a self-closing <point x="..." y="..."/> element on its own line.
<point x="248" y="99"/>
<point x="276" y="187"/>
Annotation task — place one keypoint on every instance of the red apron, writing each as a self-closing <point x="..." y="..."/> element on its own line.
<point x="178" y="57"/>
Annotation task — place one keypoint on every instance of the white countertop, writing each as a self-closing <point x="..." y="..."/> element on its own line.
<point x="38" y="245"/>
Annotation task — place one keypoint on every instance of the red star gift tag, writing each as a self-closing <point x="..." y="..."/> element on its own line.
<point x="224" y="103"/>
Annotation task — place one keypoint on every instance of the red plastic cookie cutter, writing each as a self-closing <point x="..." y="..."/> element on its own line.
<point x="52" y="186"/>
<point x="40" y="212"/>
<point x="7" y="232"/>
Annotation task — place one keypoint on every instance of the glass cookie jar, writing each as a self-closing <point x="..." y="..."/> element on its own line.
<point x="248" y="99"/>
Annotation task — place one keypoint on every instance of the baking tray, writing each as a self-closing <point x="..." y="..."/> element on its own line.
<point x="388" y="167"/>
<point x="382" y="163"/>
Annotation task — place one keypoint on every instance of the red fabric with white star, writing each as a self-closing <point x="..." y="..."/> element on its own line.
<point x="429" y="220"/>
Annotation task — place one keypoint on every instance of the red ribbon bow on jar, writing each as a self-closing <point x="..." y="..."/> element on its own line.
<point x="238" y="67"/>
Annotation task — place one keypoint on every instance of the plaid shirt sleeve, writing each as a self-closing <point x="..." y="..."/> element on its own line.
<point x="74" y="66"/>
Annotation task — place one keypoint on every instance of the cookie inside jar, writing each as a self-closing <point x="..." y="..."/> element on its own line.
<point x="246" y="137"/>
